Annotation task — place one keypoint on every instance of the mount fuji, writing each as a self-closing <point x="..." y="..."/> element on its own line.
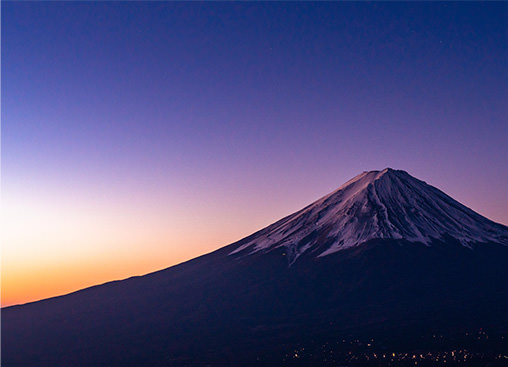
<point x="386" y="257"/>
<point x="385" y="204"/>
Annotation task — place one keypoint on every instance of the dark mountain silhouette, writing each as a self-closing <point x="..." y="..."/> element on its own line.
<point x="386" y="258"/>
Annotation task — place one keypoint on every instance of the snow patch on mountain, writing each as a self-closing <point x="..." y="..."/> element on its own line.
<point x="387" y="204"/>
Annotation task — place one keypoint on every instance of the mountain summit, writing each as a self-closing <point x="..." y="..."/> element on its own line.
<point x="387" y="204"/>
<point x="385" y="258"/>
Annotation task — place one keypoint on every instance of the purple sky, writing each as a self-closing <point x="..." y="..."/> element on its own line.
<point x="190" y="125"/>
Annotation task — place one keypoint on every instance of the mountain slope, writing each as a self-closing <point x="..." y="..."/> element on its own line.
<point x="243" y="305"/>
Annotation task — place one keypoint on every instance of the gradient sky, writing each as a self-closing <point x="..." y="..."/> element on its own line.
<point x="138" y="135"/>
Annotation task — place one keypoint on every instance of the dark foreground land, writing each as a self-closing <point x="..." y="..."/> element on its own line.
<point x="388" y="304"/>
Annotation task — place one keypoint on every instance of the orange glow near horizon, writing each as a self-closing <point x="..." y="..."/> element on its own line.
<point x="54" y="244"/>
<point x="29" y="281"/>
<point x="21" y="285"/>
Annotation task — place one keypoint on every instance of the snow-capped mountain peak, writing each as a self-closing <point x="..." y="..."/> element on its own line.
<point x="387" y="204"/>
